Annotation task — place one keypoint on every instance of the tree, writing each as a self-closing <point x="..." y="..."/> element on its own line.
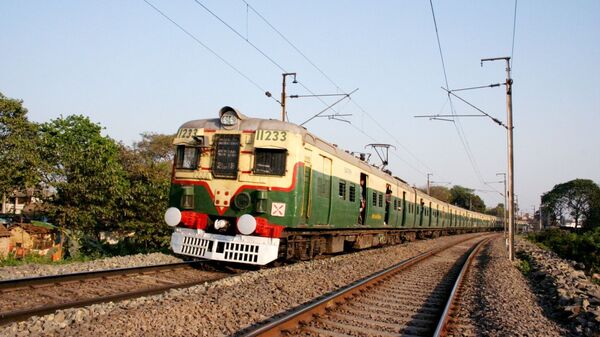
<point x="148" y="169"/>
<point x="497" y="211"/>
<point x="465" y="198"/>
<point x="19" y="169"/>
<point x="81" y="166"/>
<point x="578" y="199"/>
<point x="440" y="192"/>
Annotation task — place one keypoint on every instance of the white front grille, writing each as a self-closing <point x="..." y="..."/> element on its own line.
<point x="239" y="248"/>
<point x="241" y="252"/>
<point x="194" y="246"/>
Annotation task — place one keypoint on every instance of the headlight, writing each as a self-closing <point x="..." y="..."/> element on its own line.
<point x="246" y="224"/>
<point x="172" y="216"/>
<point x="228" y="118"/>
<point x="221" y="224"/>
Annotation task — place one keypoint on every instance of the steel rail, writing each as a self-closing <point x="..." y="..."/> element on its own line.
<point x="49" y="279"/>
<point x="441" y="329"/>
<point x="306" y="312"/>
<point x="10" y="316"/>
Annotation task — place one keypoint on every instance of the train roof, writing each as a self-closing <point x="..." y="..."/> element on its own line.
<point x="246" y="123"/>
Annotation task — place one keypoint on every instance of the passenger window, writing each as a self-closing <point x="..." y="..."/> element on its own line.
<point x="352" y="193"/>
<point x="380" y="200"/>
<point x="270" y="161"/>
<point x="374" y="198"/>
<point x="342" y="190"/>
<point x="187" y="157"/>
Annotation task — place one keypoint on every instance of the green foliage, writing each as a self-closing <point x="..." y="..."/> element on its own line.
<point x="579" y="199"/>
<point x="82" y="167"/>
<point x="94" y="183"/>
<point x="581" y="247"/>
<point x="465" y="198"/>
<point x="523" y="264"/>
<point x="148" y="170"/>
<point x="11" y="260"/>
<point x="440" y="192"/>
<point x="18" y="142"/>
<point x="497" y="211"/>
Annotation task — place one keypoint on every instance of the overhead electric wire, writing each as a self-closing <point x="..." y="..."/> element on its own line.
<point x="241" y="36"/>
<point x="394" y="153"/>
<point x="457" y="125"/>
<point x="291" y="44"/>
<point x="259" y="50"/>
<point x="512" y="50"/>
<point x="336" y="85"/>
<point x="206" y="47"/>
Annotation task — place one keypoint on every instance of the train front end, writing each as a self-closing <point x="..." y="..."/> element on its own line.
<point x="233" y="189"/>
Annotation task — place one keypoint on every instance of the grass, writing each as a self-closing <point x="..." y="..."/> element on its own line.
<point x="12" y="260"/>
<point x="523" y="265"/>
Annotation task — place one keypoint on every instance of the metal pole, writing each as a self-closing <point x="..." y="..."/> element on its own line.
<point x="511" y="165"/>
<point x="511" y="179"/>
<point x="428" y="189"/>
<point x="283" y="95"/>
<point x="283" y="98"/>
<point x="505" y="205"/>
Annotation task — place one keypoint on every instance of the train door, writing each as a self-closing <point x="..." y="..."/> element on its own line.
<point x="421" y="210"/>
<point x="326" y="189"/>
<point x="429" y="214"/>
<point x="307" y="190"/>
<point x="403" y="208"/>
<point x="363" y="199"/>
<point x="388" y="201"/>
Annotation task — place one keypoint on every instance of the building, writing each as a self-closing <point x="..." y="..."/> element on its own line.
<point x="5" y="242"/>
<point x="20" y="202"/>
<point x="29" y="238"/>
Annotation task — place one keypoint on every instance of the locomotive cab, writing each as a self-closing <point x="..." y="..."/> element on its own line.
<point x="233" y="187"/>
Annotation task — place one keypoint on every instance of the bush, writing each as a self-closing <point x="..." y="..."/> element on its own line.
<point x="581" y="247"/>
<point x="523" y="265"/>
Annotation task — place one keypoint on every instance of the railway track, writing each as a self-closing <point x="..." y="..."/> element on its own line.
<point x="23" y="298"/>
<point x="413" y="298"/>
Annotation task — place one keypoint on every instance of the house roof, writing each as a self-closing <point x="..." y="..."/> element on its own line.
<point x="4" y="232"/>
<point x="33" y="229"/>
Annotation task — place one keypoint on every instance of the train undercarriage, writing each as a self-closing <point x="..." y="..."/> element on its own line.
<point x="302" y="244"/>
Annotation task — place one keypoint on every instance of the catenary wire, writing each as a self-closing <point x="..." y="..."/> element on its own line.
<point x="458" y="124"/>
<point x="197" y="40"/>
<point x="257" y="49"/>
<point x="512" y="51"/>
<point x="335" y="84"/>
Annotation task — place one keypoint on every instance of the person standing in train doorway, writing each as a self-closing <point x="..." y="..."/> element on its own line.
<point x="363" y="200"/>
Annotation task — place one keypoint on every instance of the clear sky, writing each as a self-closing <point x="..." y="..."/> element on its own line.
<point x="126" y="67"/>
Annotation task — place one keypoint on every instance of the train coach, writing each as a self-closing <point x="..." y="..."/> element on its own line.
<point x="252" y="191"/>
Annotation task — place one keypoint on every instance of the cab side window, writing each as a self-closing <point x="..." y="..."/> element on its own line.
<point x="270" y="161"/>
<point x="187" y="157"/>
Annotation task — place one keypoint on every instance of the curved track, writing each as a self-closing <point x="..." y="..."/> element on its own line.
<point x="22" y="298"/>
<point x="412" y="298"/>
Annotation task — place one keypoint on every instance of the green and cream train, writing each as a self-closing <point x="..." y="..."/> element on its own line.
<point x="252" y="191"/>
